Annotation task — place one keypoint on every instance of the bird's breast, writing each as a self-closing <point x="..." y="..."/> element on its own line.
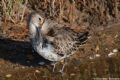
<point x="48" y="53"/>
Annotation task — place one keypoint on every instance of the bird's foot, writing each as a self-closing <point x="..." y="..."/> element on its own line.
<point x="62" y="70"/>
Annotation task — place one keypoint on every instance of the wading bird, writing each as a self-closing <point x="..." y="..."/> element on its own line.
<point x="57" y="46"/>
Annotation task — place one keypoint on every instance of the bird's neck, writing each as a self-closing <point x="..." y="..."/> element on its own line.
<point x="32" y="30"/>
<point x="35" y="33"/>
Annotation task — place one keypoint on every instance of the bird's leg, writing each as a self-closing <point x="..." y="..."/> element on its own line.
<point x="64" y="64"/>
<point x="64" y="60"/>
<point x="54" y="65"/>
<point x="61" y="71"/>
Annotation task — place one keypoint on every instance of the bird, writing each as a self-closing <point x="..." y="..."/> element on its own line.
<point x="53" y="41"/>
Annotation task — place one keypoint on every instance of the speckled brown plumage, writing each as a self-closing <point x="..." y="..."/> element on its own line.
<point x="53" y="41"/>
<point x="65" y="40"/>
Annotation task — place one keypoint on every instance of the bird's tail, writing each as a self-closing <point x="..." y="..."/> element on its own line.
<point x="83" y="37"/>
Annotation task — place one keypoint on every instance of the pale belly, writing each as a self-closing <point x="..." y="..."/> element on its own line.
<point x="48" y="53"/>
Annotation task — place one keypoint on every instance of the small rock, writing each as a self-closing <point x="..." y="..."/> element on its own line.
<point x="37" y="71"/>
<point x="111" y="54"/>
<point x="115" y="50"/>
<point x="91" y="57"/>
<point x="41" y="63"/>
<point x="23" y="67"/>
<point x="8" y="75"/>
<point x="97" y="55"/>
<point x="72" y="74"/>
<point x="94" y="56"/>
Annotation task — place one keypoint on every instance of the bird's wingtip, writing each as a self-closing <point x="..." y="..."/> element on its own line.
<point x="83" y="37"/>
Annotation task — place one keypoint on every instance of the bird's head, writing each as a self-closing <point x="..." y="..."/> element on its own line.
<point x="35" y="20"/>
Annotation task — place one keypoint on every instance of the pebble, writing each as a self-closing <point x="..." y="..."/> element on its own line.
<point x="41" y="63"/>
<point x="111" y="54"/>
<point x="94" y="56"/>
<point x="37" y="71"/>
<point x="97" y="55"/>
<point x="23" y="67"/>
<point x="115" y="50"/>
<point x="72" y="74"/>
<point x="8" y="75"/>
<point x="91" y="57"/>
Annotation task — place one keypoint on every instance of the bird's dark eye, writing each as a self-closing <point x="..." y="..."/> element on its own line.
<point x="40" y="19"/>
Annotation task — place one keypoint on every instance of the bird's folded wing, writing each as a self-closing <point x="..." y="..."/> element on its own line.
<point x="50" y="38"/>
